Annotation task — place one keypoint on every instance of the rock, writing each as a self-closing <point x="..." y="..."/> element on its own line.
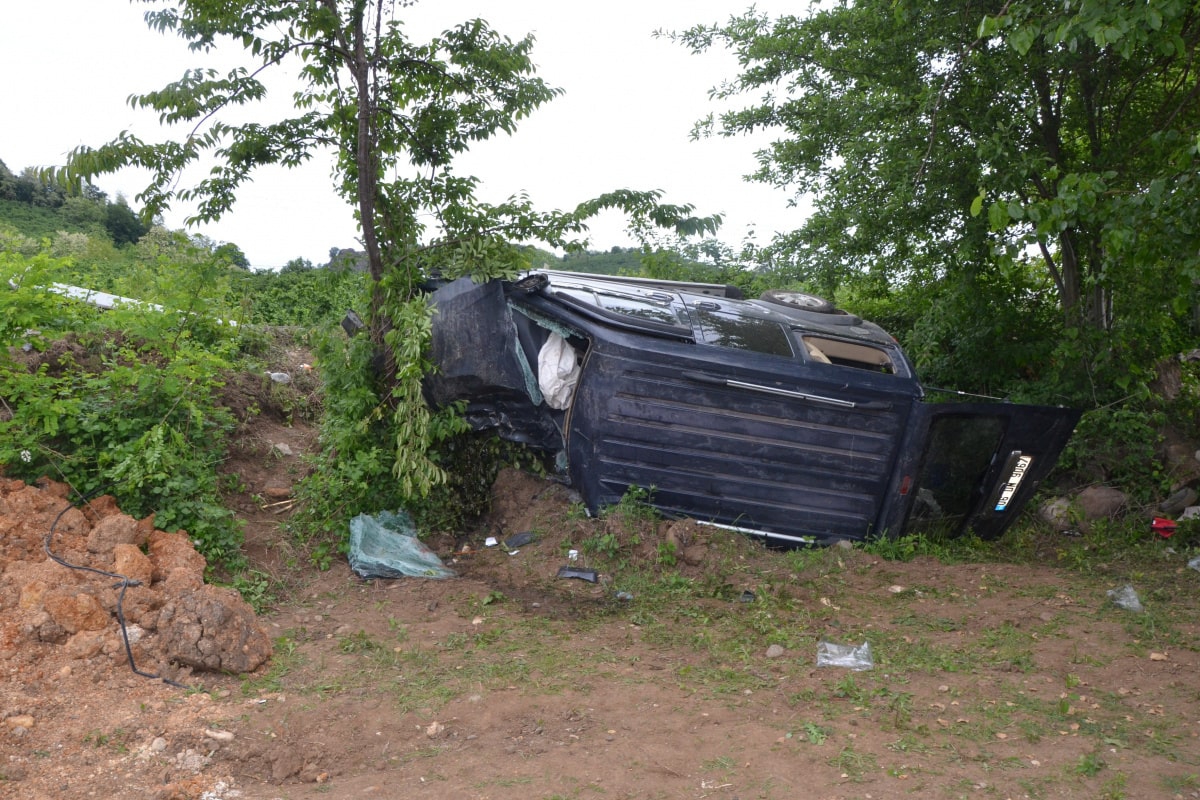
<point x="1191" y="512"/>
<point x="694" y="556"/>
<point x="114" y="530"/>
<point x="285" y="762"/>
<point x="191" y="761"/>
<point x="1057" y="514"/>
<point x="775" y="651"/>
<point x="169" y="551"/>
<point x="282" y="448"/>
<point x="130" y="561"/>
<point x="1100" y="502"/>
<point x="85" y="644"/>
<point x="212" y="628"/>
<point x="1178" y="501"/>
<point x="219" y="736"/>
<point x="75" y="610"/>
<point x="31" y="595"/>
<point x="19" y="721"/>
<point x="277" y="492"/>
<point x="435" y="729"/>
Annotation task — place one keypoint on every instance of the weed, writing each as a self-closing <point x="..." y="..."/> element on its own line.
<point x="1179" y="784"/>
<point x="847" y="689"/>
<point x="1089" y="765"/>
<point x="257" y="588"/>
<point x="814" y="733"/>
<point x="1114" y="787"/>
<point x="607" y="545"/>
<point x="360" y="642"/>
<point x="853" y="764"/>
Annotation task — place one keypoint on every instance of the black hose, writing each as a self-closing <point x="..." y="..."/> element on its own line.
<point x="124" y="582"/>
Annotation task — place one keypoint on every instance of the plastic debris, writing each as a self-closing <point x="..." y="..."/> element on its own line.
<point x="279" y="377"/>
<point x="855" y="657"/>
<point x="626" y="596"/>
<point x="1195" y="563"/>
<point x="1163" y="527"/>
<point x="386" y="546"/>
<point x="519" y="539"/>
<point x="572" y="555"/>
<point x="1126" y="598"/>
<point x="490" y="541"/>
<point x="589" y="575"/>
<point x="747" y="597"/>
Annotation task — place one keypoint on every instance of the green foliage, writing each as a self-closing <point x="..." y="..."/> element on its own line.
<point x="122" y="224"/>
<point x="308" y="298"/>
<point x="1119" y="446"/>
<point x="120" y="403"/>
<point x="1034" y="164"/>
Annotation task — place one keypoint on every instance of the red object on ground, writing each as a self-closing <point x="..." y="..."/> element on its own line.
<point x="1163" y="527"/>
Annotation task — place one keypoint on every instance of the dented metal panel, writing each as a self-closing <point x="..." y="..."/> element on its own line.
<point x="730" y="454"/>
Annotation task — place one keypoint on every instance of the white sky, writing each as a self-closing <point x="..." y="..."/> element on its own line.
<point x="624" y="121"/>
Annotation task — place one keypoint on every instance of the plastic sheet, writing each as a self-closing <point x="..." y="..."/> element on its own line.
<point x="1126" y="598"/>
<point x="855" y="657"/>
<point x="386" y="546"/>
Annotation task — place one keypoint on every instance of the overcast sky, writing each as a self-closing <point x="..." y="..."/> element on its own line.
<point x="624" y="121"/>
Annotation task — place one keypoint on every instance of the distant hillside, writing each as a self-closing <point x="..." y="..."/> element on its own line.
<point x="617" y="261"/>
<point x="33" y="221"/>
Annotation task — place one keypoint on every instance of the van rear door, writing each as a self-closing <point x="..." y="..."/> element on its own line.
<point x="972" y="467"/>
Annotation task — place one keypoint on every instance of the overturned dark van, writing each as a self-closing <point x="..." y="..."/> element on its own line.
<point x="781" y="417"/>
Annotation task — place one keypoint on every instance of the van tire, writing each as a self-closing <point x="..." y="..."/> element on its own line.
<point x="799" y="301"/>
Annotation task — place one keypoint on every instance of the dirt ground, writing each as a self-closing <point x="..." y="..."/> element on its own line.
<point x="989" y="680"/>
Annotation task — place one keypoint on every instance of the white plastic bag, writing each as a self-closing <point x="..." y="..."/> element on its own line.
<point x="558" y="372"/>
<point x="855" y="657"/>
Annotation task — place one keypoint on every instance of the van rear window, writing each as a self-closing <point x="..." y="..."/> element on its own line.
<point x="848" y="354"/>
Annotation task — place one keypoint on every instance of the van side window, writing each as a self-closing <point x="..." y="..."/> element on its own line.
<point x="743" y="332"/>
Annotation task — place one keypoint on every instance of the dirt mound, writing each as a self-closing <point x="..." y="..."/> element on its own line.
<point x="94" y="583"/>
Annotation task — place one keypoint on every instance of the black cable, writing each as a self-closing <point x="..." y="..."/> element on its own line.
<point x="124" y="583"/>
<point x="961" y="393"/>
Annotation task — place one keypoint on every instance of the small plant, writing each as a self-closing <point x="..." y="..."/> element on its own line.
<point x="853" y="764"/>
<point x="1089" y="765"/>
<point x="257" y="588"/>
<point x="360" y="642"/>
<point x="607" y="545"/>
<point x="814" y="733"/>
<point x="847" y="689"/>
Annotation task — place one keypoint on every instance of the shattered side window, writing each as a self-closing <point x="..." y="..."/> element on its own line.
<point x="743" y="332"/>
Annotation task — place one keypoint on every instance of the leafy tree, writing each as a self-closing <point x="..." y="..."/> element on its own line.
<point x="231" y="254"/>
<point x="122" y="224"/>
<point x="942" y="139"/>
<point x="8" y="183"/>
<point x="85" y="213"/>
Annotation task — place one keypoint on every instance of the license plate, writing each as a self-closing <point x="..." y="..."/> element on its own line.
<point x="1014" y="480"/>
